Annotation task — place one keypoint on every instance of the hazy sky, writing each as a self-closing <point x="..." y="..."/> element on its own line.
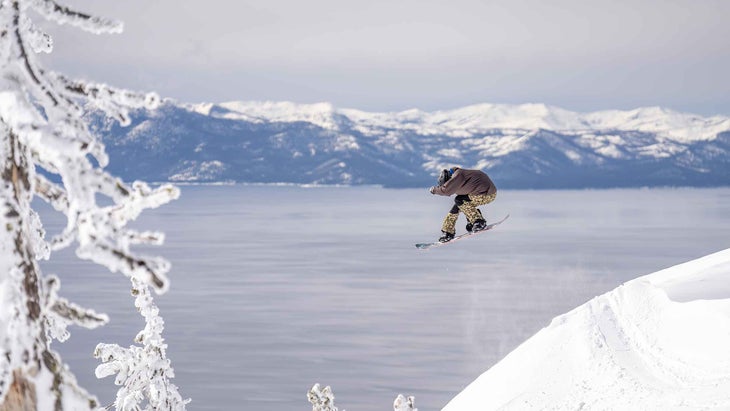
<point x="397" y="54"/>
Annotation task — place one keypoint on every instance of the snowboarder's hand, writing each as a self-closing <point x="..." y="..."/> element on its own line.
<point x="432" y="190"/>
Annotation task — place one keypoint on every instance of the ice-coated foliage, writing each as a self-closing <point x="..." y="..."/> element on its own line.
<point x="46" y="150"/>
<point x="403" y="403"/>
<point x="143" y="372"/>
<point x="322" y="399"/>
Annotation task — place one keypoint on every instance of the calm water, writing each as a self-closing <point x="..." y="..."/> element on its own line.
<point x="276" y="288"/>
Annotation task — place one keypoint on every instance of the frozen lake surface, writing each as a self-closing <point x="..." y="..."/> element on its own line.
<point x="276" y="288"/>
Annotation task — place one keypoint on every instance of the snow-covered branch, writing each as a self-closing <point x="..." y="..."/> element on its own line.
<point x="114" y="102"/>
<point x="143" y="372"/>
<point x="51" y="193"/>
<point x="65" y="15"/>
<point x="39" y="41"/>
<point x="60" y="312"/>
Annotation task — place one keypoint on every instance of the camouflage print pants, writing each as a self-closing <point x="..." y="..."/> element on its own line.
<point x="466" y="204"/>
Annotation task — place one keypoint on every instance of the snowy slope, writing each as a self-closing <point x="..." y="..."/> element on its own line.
<point x="521" y="146"/>
<point x="659" y="342"/>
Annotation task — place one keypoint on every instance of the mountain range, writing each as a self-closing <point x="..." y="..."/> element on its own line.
<point x="520" y="146"/>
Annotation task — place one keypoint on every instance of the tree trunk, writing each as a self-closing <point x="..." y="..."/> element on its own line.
<point x="21" y="395"/>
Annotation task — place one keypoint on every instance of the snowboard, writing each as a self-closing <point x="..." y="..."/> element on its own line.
<point x="424" y="246"/>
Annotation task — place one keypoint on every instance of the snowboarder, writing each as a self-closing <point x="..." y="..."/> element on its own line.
<point x="473" y="188"/>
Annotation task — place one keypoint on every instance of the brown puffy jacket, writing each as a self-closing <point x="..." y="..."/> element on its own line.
<point x="466" y="182"/>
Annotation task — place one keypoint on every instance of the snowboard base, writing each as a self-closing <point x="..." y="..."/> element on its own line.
<point x="424" y="246"/>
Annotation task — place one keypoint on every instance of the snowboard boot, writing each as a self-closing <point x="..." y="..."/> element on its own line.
<point x="446" y="237"/>
<point x="480" y="217"/>
<point x="478" y="225"/>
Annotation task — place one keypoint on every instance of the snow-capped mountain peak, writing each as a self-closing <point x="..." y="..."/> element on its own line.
<point x="681" y="127"/>
<point x="320" y="114"/>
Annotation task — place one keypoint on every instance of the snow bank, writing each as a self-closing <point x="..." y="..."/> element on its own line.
<point x="658" y="342"/>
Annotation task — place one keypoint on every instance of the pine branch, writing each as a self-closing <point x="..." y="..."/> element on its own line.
<point x="30" y="70"/>
<point x="83" y="317"/>
<point x="113" y="101"/>
<point x="145" y="237"/>
<point x="151" y="271"/>
<point x="51" y="10"/>
<point x="51" y="193"/>
<point x="142" y="371"/>
<point x="60" y="313"/>
<point x="40" y="41"/>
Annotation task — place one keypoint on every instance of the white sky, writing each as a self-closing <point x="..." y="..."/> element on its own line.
<point x="384" y="55"/>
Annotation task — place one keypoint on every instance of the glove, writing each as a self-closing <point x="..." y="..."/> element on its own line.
<point x="432" y="190"/>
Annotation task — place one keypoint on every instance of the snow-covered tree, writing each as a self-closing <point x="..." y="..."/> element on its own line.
<point x="46" y="150"/>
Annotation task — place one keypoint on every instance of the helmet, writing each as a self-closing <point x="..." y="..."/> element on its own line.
<point x="444" y="177"/>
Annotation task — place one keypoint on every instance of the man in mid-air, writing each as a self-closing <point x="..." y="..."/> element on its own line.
<point x="473" y="188"/>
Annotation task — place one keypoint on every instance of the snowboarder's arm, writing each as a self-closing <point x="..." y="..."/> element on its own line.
<point x="456" y="181"/>
<point x="438" y="190"/>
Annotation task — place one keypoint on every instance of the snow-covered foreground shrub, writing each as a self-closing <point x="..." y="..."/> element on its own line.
<point x="322" y="399"/>
<point x="46" y="150"/>
<point x="403" y="403"/>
